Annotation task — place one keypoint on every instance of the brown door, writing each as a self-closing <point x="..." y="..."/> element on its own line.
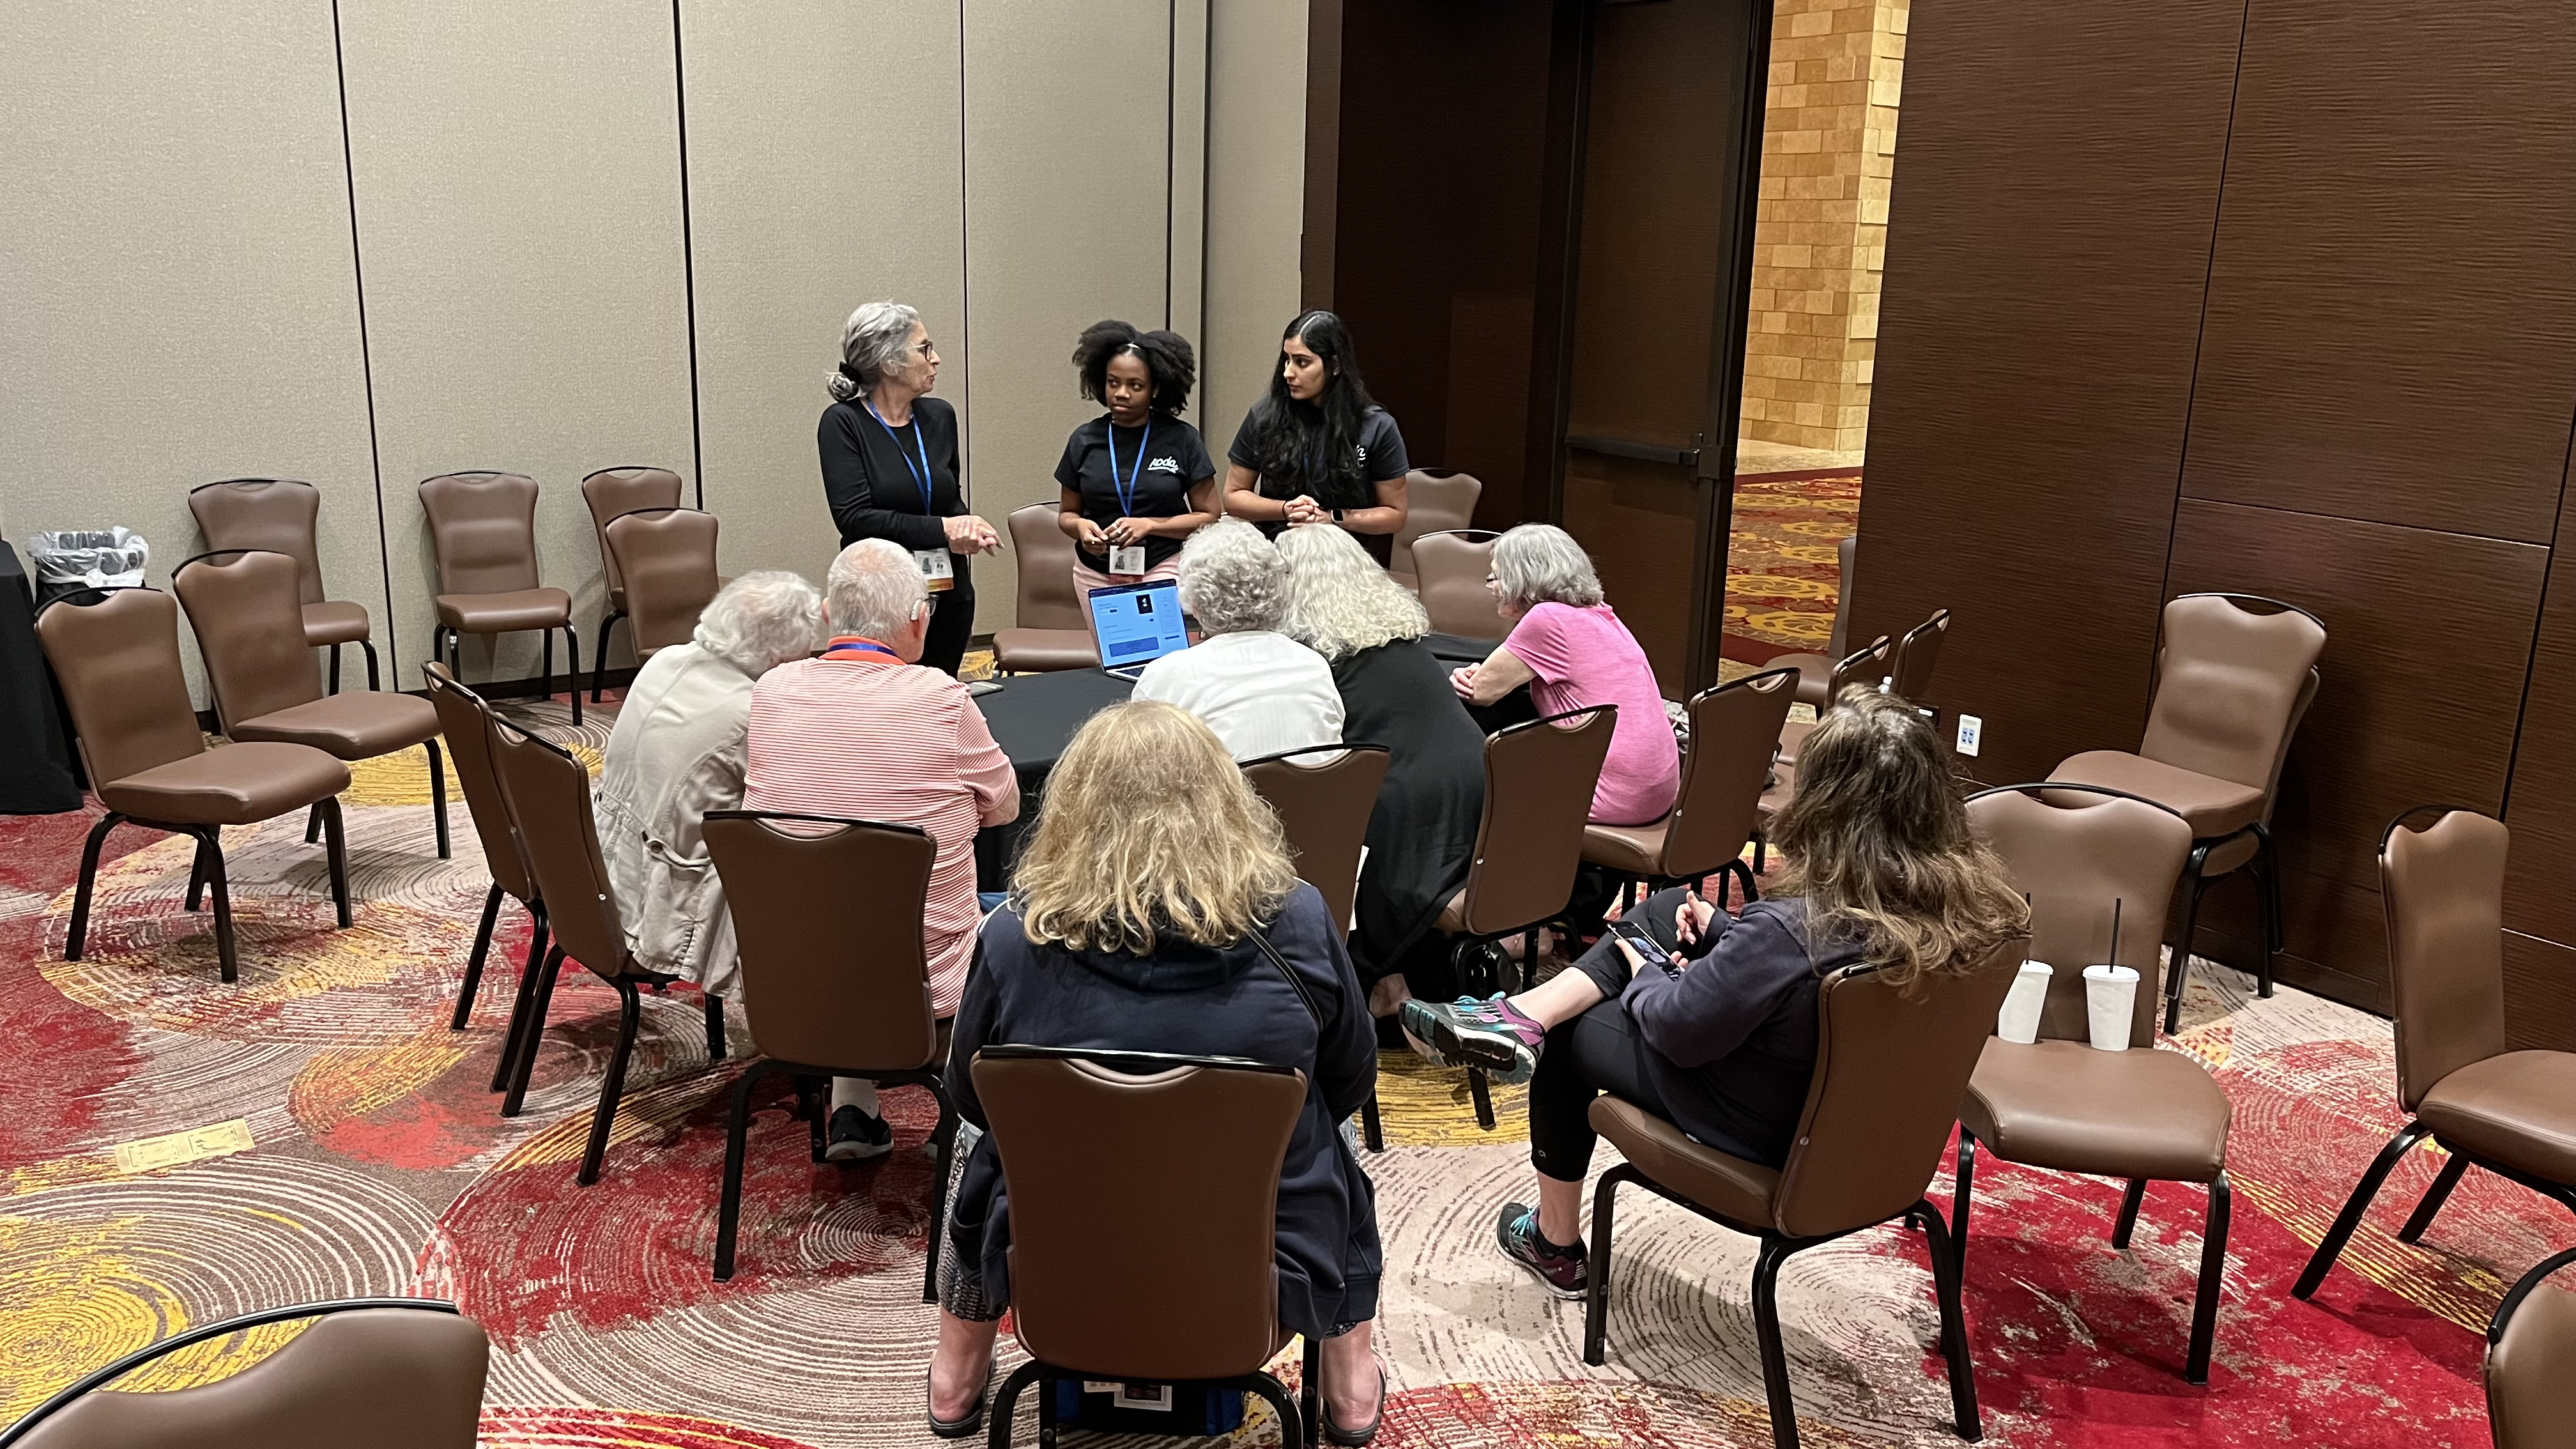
<point x="1669" y="159"/>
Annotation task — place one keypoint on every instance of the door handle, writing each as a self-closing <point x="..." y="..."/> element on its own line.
<point x="1630" y="448"/>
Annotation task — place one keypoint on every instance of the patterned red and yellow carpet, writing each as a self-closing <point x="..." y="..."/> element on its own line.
<point x="344" y="1144"/>
<point x="1782" y="574"/>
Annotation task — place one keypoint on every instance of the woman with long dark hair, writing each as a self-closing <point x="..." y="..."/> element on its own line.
<point x="1317" y="449"/>
<point x="1136" y="480"/>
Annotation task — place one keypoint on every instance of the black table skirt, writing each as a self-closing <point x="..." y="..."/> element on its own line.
<point x="1033" y="717"/>
<point x="36" y="766"/>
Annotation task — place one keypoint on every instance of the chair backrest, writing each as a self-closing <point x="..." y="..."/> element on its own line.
<point x="1450" y="568"/>
<point x="1044" y="557"/>
<point x="397" y="1378"/>
<point x="1151" y="1265"/>
<point x="2442" y="886"/>
<point x="1846" y="554"/>
<point x="667" y="556"/>
<point x="1539" y="779"/>
<point x="484" y="529"/>
<point x="2078" y="852"/>
<point x="1916" y="655"/>
<point x="116" y="652"/>
<point x="1433" y="503"/>
<point x="1734" y="731"/>
<point x="1891" y="1065"/>
<point x="276" y="514"/>
<point x="466" y="723"/>
<point x="2231" y="685"/>
<point x="1865" y="665"/>
<point x="249" y="620"/>
<point x="612" y="493"/>
<point x="2531" y="1362"/>
<point x="1324" y="796"/>
<point x="549" y="794"/>
<point x="829" y="988"/>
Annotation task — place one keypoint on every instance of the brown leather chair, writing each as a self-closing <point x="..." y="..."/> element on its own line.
<point x="116" y="653"/>
<point x="549" y="794"/>
<point x="1891" y="1063"/>
<point x="467" y="722"/>
<point x="1539" y="779"/>
<point x="1865" y="666"/>
<point x="278" y="514"/>
<point x="2099" y="869"/>
<point x="1734" y="728"/>
<point x="665" y="559"/>
<point x="1917" y="654"/>
<point x="611" y="494"/>
<point x="1433" y="503"/>
<point x="394" y="1373"/>
<point x="1816" y="671"/>
<point x="2531" y="1363"/>
<point x="827" y="995"/>
<point x="1053" y="633"/>
<point x="1450" y="569"/>
<point x="2510" y="1112"/>
<point x="484" y="529"/>
<point x="1206" y="1220"/>
<point x="243" y="605"/>
<point x="2232" y="685"/>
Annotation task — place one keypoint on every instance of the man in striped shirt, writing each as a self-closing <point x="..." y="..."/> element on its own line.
<point x="864" y="734"/>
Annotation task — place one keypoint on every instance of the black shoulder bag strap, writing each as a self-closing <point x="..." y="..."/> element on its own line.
<point x="1295" y="983"/>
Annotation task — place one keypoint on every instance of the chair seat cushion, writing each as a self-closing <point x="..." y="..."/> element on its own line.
<point x="1635" y="849"/>
<point x="2141" y="1113"/>
<point x="1043" y="651"/>
<point x="353" y="726"/>
<point x="505" y="613"/>
<point x="1411" y="583"/>
<point x="1815" y="675"/>
<point x="2518" y="1109"/>
<point x="2215" y="807"/>
<point x="335" y="621"/>
<point x="240" y="784"/>
<point x="1732" y="1188"/>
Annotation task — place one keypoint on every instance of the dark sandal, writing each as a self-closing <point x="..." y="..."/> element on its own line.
<point x="967" y="1427"/>
<point x="1353" y="1438"/>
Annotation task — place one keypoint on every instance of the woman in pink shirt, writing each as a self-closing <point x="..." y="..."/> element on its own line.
<point x="1573" y="653"/>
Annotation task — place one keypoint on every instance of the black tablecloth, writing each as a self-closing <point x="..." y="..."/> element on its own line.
<point x="1458" y="648"/>
<point x="36" y="762"/>
<point x="1033" y="717"/>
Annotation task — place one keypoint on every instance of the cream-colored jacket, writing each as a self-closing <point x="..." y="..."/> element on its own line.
<point x="675" y="754"/>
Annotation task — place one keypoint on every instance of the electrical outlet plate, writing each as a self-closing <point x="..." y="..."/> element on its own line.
<point x="1971" y="733"/>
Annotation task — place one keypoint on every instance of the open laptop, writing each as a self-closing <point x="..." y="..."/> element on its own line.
<point x="1132" y="625"/>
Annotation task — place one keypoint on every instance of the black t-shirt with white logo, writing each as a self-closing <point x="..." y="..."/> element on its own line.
<point x="1175" y="460"/>
<point x="1382" y="460"/>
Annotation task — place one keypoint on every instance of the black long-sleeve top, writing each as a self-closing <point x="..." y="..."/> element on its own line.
<point x="869" y="475"/>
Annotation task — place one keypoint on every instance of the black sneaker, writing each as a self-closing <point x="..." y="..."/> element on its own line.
<point x="855" y="1136"/>
<point x="1560" y="1270"/>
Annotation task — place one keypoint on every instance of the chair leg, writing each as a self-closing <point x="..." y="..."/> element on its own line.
<point x="197" y="877"/>
<point x="943" y="1142"/>
<point x="335" y="670"/>
<point x="2213" y="1275"/>
<point x="613" y="1085"/>
<point x="1962" y="1190"/>
<point x="1294" y="1427"/>
<point x="2350" y="1218"/>
<point x="532" y="1033"/>
<point x="537" y="938"/>
<point x="546" y="673"/>
<point x="599" y="661"/>
<point x="1006" y="1401"/>
<point x="375" y="680"/>
<point x="716" y="1044"/>
<point x="1766" y="1332"/>
<point x="1758" y="849"/>
<point x="2434" y="1196"/>
<point x="2127" y="1221"/>
<point x="572" y="662"/>
<point x="1310" y="1392"/>
<point x="77" y="938"/>
<point x="438" y="795"/>
<point x="1483" y="1098"/>
<point x="1529" y="958"/>
<point x="1370" y="1131"/>
<point x="814" y="1094"/>
<point x="729" y="1199"/>
<point x="474" y="962"/>
<point x="1596" y="1292"/>
<point x="2267" y="893"/>
<point x="313" y="823"/>
<point x="335" y="837"/>
<point x="227" y="953"/>
<point x="1750" y="892"/>
<point x="1954" y="1325"/>
<point x="2182" y="943"/>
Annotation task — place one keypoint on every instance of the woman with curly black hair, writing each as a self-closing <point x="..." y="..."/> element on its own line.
<point x="1136" y="480"/>
<point x="1317" y="448"/>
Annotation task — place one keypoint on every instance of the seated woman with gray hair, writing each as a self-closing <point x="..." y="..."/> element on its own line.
<point x="676" y="753"/>
<point x="1261" y="691"/>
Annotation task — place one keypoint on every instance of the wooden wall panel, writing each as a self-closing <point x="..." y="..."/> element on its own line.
<point x="2391" y="328"/>
<point x="2541" y="805"/>
<point x="2048" y="244"/>
<point x="2539" y="993"/>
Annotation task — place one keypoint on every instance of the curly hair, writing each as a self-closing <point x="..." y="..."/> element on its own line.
<point x="1879" y="844"/>
<point x="1166" y="355"/>
<point x="1314" y="447"/>
<point x="1540" y="563"/>
<point x="1232" y="578"/>
<point x="761" y="620"/>
<point x="1339" y="601"/>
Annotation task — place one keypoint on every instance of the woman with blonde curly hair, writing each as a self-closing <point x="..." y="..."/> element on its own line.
<point x="1719" y="1036"/>
<point x="1144" y="914"/>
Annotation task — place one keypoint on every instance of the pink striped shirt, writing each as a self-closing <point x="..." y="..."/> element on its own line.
<point x="871" y="739"/>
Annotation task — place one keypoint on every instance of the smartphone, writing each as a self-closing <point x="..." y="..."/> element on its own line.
<point x="1646" y="946"/>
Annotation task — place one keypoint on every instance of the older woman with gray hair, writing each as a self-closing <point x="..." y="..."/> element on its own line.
<point x="1572" y="651"/>
<point x="891" y="470"/>
<point x="678" y="752"/>
<point x="1261" y="691"/>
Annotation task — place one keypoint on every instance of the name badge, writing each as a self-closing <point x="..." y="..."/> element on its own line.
<point x="1129" y="561"/>
<point x="936" y="567"/>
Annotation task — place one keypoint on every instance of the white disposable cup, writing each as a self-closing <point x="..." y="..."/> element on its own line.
<point x="2019" y="1020"/>
<point x="2110" y="1005"/>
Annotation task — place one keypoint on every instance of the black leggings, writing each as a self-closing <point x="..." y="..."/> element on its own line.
<point x="1596" y="1052"/>
<point x="952" y="623"/>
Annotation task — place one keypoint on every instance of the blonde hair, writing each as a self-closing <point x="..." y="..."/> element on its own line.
<point x="1149" y="830"/>
<point x="1339" y="601"/>
<point x="1879" y="845"/>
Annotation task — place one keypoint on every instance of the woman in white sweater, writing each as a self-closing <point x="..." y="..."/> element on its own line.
<point x="1261" y="691"/>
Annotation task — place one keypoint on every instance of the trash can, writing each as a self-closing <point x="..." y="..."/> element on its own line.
<point x="71" y="560"/>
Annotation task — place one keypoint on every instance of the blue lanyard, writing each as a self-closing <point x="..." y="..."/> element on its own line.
<point x="1127" y="488"/>
<point x="920" y="475"/>
<point x="853" y="647"/>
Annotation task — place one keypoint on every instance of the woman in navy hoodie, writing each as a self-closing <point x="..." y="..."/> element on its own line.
<point x="1136" y="923"/>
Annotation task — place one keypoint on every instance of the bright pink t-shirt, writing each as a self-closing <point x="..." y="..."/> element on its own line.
<point x="1584" y="657"/>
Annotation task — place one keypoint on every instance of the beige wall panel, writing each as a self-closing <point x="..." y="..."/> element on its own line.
<point x="1256" y="201"/>
<point x="518" y="184"/>
<point x="175" y="244"/>
<point x="1186" y="305"/>
<point x="824" y="171"/>
<point x="1067" y="222"/>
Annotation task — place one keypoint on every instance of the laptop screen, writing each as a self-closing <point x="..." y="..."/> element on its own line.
<point x="1137" y="623"/>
